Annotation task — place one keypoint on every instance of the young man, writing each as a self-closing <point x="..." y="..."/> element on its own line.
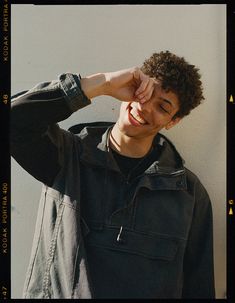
<point x="119" y="216"/>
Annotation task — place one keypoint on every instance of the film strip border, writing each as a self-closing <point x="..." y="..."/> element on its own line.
<point x="230" y="152"/>
<point x="5" y="89"/>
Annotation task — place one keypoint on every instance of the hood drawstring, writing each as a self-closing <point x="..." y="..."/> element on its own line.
<point x="105" y="197"/>
<point x="105" y="191"/>
<point x="105" y="194"/>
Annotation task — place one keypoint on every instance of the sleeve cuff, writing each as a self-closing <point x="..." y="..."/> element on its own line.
<point x="75" y="97"/>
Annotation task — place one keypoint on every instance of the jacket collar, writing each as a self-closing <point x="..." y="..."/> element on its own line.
<point x="96" y="152"/>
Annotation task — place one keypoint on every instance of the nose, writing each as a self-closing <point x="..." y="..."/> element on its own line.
<point x="144" y="107"/>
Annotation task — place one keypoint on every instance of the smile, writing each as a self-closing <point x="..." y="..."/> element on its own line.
<point x="134" y="117"/>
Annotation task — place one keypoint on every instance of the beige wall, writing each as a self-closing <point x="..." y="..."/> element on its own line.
<point x="49" y="40"/>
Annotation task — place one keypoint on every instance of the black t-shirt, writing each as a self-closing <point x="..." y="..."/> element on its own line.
<point x="134" y="166"/>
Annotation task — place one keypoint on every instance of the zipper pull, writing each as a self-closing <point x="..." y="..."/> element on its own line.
<point x="119" y="239"/>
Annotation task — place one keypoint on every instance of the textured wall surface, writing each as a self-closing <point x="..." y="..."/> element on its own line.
<point x="49" y="40"/>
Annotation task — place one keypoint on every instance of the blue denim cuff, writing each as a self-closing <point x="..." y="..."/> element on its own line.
<point x="74" y="95"/>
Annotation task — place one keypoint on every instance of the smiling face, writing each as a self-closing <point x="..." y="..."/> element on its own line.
<point x="144" y="121"/>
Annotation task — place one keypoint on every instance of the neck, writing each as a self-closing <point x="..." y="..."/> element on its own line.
<point x="129" y="146"/>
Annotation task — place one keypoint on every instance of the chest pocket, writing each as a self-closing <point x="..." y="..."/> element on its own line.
<point x="133" y="242"/>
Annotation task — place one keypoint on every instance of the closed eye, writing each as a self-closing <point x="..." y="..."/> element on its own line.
<point x="162" y="108"/>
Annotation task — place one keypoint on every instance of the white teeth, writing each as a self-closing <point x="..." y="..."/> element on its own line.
<point x="137" y="117"/>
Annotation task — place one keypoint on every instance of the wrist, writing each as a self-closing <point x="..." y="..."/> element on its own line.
<point x="95" y="85"/>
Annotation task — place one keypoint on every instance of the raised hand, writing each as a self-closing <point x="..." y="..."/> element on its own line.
<point x="129" y="85"/>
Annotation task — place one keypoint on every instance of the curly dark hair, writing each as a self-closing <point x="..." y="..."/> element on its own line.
<point x="178" y="76"/>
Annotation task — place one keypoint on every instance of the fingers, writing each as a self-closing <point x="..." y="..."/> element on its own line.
<point x="130" y="84"/>
<point x="147" y="93"/>
<point x="143" y="85"/>
<point x="145" y="89"/>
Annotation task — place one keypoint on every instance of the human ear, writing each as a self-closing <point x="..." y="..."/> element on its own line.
<point x="172" y="123"/>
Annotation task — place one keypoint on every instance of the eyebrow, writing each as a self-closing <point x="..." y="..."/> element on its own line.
<point x="167" y="101"/>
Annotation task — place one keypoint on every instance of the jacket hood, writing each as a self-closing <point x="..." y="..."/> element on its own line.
<point x="169" y="161"/>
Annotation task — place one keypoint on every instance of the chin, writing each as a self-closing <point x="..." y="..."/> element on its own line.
<point x="131" y="131"/>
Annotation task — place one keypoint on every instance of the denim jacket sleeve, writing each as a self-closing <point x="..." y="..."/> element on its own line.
<point x="36" y="139"/>
<point x="198" y="260"/>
